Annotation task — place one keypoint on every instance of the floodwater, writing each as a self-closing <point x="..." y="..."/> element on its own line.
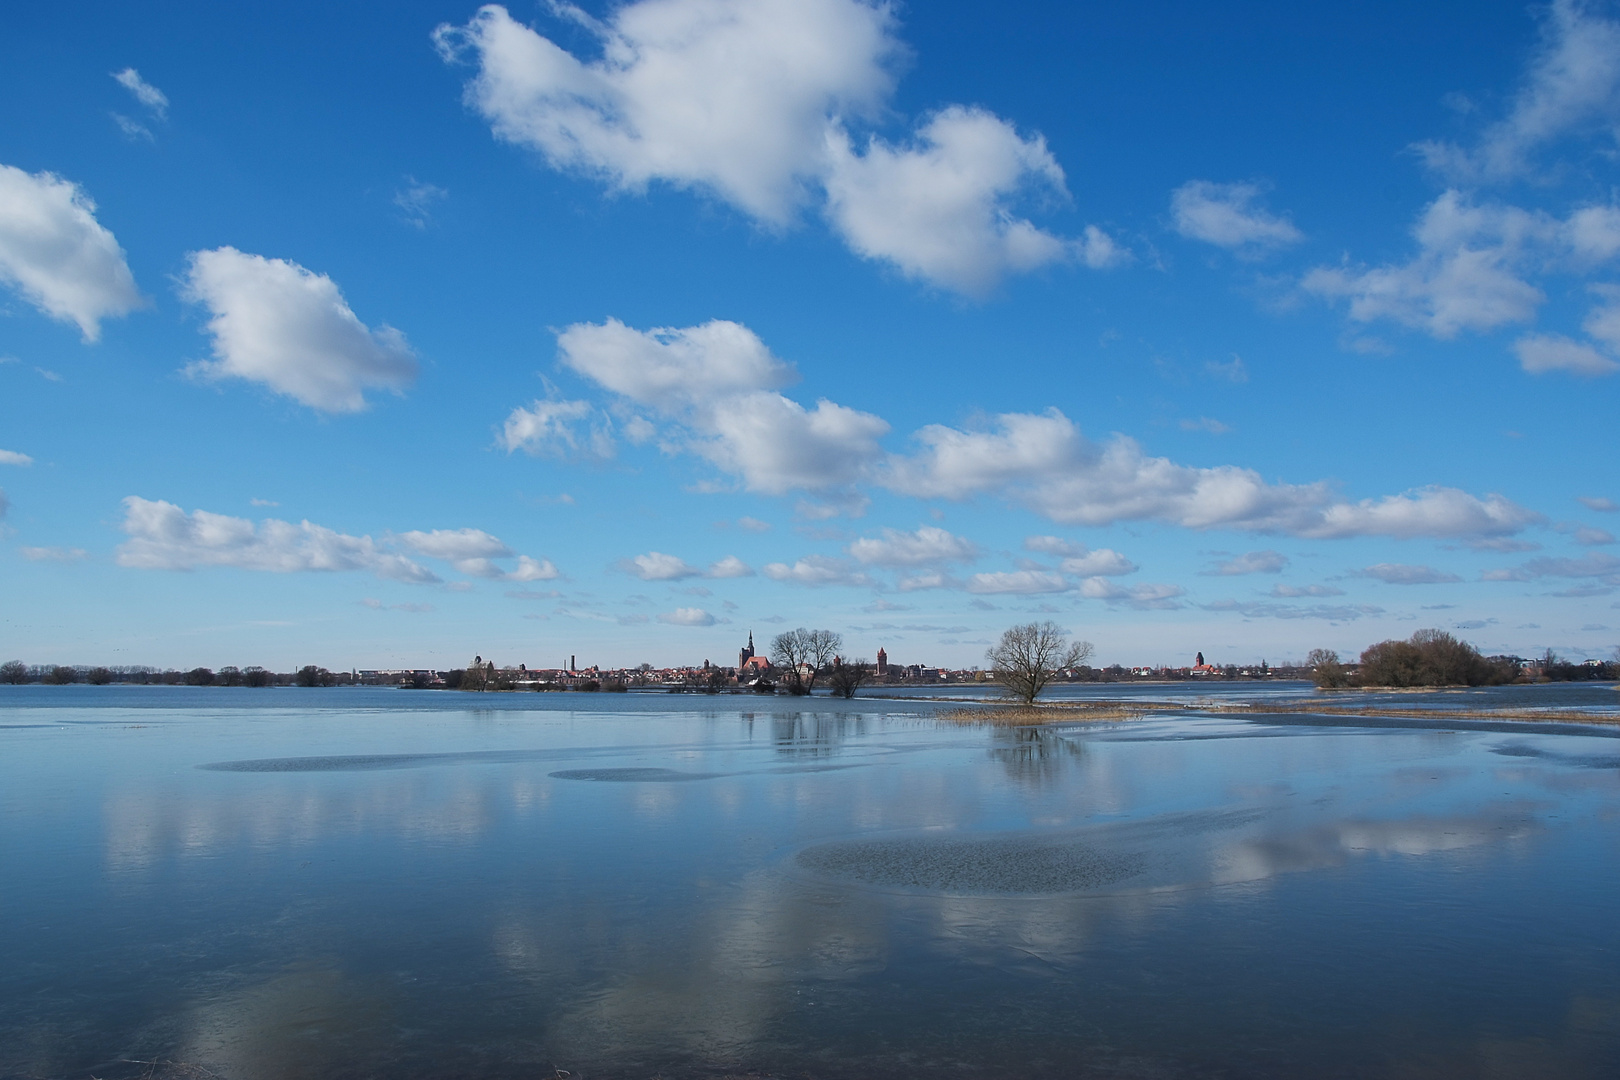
<point x="345" y="883"/>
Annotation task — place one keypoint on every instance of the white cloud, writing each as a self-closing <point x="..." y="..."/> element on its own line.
<point x="416" y="200"/>
<point x="939" y="209"/>
<point x="1467" y="274"/>
<point x="1305" y="590"/>
<point x="55" y="253"/>
<point x="1054" y="545"/>
<point x="1017" y="582"/>
<point x="1587" y="536"/>
<point x="749" y="101"/>
<point x="729" y="567"/>
<point x="1600" y="504"/>
<point x="1103" y="562"/>
<point x="162" y="536"/>
<point x="728" y="96"/>
<point x="54" y="554"/>
<point x="687" y="616"/>
<point x="12" y="457"/>
<point x="531" y="569"/>
<point x="473" y="552"/>
<point x="673" y="370"/>
<point x="1140" y="597"/>
<point x="562" y="429"/>
<point x="1043" y="462"/>
<point x="656" y="566"/>
<point x="1234" y="370"/>
<point x="1404" y="574"/>
<point x="144" y="92"/>
<point x="929" y="545"/>
<point x="276" y="323"/>
<point x="132" y="129"/>
<point x="1253" y="562"/>
<point x="1207" y="424"/>
<point x="818" y="570"/>
<point x="1542" y="353"/>
<point x="718" y="380"/>
<point x="753" y="524"/>
<point x="1572" y="85"/>
<point x="1226" y="215"/>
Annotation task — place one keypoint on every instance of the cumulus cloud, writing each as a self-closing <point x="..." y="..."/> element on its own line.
<point x="929" y="545"/>
<point x="687" y="616"/>
<point x="656" y="566"/>
<point x="818" y="570"/>
<point x="276" y="323"/>
<point x="1043" y="461"/>
<point x="939" y="208"/>
<point x="473" y="552"/>
<point x="1541" y="353"/>
<point x="729" y="567"/>
<point x="729" y="96"/>
<point x="1017" y="583"/>
<point x="718" y="382"/>
<point x="1253" y="562"/>
<point x="1404" y="574"/>
<point x="1571" y="86"/>
<point x="144" y="92"/>
<point x="774" y="445"/>
<point x="13" y="457"/>
<point x="1226" y="215"/>
<point x="54" y="554"/>
<point x="750" y="101"/>
<point x="56" y="254"/>
<point x="562" y="429"/>
<point x="1141" y="597"/>
<point x="162" y="536"/>
<point x="1468" y="274"/>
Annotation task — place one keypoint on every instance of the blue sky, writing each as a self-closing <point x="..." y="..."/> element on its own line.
<point x="376" y="335"/>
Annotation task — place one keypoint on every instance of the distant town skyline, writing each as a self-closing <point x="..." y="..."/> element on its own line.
<point x="384" y="335"/>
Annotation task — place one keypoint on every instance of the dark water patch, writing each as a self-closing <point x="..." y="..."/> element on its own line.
<point x="1441" y="721"/>
<point x="1579" y="761"/>
<point x="632" y="776"/>
<point x="372" y="762"/>
<point x="1001" y="866"/>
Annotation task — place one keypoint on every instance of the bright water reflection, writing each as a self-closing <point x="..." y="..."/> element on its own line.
<point x="382" y="883"/>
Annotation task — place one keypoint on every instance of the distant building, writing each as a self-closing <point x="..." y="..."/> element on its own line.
<point x="883" y="662"/>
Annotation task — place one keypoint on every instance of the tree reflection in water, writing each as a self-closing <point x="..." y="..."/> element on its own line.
<point x="1034" y="756"/>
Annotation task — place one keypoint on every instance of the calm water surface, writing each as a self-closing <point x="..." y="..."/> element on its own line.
<point x="347" y="883"/>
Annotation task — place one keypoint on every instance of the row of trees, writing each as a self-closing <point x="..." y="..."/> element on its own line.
<point x="804" y="654"/>
<point x="1436" y="658"/>
<point x="16" y="672"/>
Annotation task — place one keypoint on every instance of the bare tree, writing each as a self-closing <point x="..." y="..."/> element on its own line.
<point x="802" y="654"/>
<point x="848" y="677"/>
<point x="1028" y="657"/>
<point x="1326" y="669"/>
<point x="13" y="671"/>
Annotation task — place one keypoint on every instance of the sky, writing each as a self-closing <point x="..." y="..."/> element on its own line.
<point x="381" y="335"/>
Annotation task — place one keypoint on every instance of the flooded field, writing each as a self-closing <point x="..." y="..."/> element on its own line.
<point x="305" y="883"/>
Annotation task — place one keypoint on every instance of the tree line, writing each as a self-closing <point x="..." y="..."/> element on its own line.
<point x="1436" y="658"/>
<point x="16" y="672"/>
